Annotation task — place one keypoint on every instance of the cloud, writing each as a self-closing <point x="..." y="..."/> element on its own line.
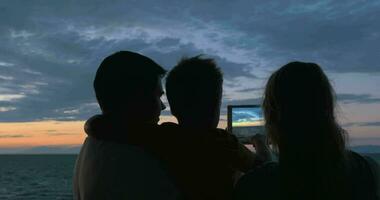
<point x="13" y="136"/>
<point x="6" y="77"/>
<point x="370" y="124"/>
<point x="328" y="33"/>
<point x="357" y="98"/>
<point x="362" y="124"/>
<point x="52" y="132"/>
<point x="11" y="97"/>
<point x="48" y="57"/>
<point x="6" y="109"/>
<point x="6" y="64"/>
<point x="249" y="101"/>
<point x="250" y="90"/>
<point x="59" y="134"/>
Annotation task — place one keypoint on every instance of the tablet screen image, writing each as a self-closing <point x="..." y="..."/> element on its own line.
<point x="246" y="121"/>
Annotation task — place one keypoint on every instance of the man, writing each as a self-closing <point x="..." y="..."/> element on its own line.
<point x="205" y="159"/>
<point x="114" y="166"/>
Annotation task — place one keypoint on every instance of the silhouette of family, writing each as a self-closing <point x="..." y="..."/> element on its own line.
<point x="128" y="155"/>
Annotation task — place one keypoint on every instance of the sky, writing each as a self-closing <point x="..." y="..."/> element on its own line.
<point x="50" y="51"/>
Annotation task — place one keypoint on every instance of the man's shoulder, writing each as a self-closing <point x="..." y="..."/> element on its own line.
<point x="108" y="146"/>
<point x="115" y="161"/>
<point x="124" y="170"/>
<point x="114" y="153"/>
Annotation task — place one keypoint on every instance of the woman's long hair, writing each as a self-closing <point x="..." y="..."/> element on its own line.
<point x="299" y="105"/>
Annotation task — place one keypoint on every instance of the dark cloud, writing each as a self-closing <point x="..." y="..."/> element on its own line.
<point x="357" y="98"/>
<point x="230" y="69"/>
<point x="250" y="101"/>
<point x="375" y="124"/>
<point x="250" y="90"/>
<point x="330" y="32"/>
<point x="371" y="124"/>
<point x="13" y="136"/>
<point x="59" y="134"/>
<point x="50" y="50"/>
<point x="343" y="37"/>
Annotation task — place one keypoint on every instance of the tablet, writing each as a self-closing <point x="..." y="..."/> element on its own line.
<point x="245" y="121"/>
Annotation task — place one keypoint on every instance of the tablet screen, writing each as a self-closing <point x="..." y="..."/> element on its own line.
<point x="246" y="121"/>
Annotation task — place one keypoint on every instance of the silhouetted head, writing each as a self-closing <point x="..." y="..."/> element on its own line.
<point x="194" y="90"/>
<point x="128" y="85"/>
<point x="299" y="96"/>
<point x="299" y="107"/>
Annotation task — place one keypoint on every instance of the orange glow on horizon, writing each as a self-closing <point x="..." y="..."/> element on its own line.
<point x="51" y="133"/>
<point x="42" y="133"/>
<point x="71" y="133"/>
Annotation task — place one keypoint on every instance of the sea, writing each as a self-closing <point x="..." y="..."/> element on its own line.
<point x="43" y="177"/>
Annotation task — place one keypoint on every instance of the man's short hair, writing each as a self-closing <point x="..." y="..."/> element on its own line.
<point x="194" y="84"/>
<point x="121" y="75"/>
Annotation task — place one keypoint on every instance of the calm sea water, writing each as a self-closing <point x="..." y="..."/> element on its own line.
<point x="41" y="177"/>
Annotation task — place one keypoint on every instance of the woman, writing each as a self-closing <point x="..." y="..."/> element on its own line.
<point x="301" y="126"/>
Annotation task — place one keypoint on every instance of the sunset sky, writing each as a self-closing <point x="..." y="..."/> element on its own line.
<point x="50" y="51"/>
